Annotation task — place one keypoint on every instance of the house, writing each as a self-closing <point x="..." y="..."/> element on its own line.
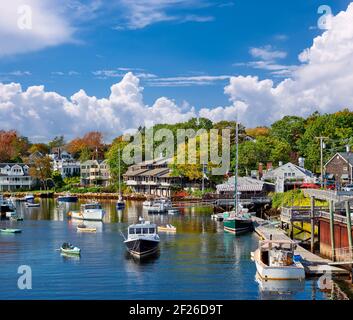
<point x="288" y="176"/>
<point x="340" y="168"/>
<point x="95" y="172"/>
<point x="15" y="176"/>
<point x="248" y="188"/>
<point x="152" y="177"/>
<point x="64" y="163"/>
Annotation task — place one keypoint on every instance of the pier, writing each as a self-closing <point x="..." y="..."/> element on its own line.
<point x="314" y="265"/>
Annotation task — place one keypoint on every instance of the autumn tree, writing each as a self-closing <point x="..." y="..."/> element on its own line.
<point x="39" y="147"/>
<point x="89" y="146"/>
<point x="12" y="146"/>
<point x="41" y="170"/>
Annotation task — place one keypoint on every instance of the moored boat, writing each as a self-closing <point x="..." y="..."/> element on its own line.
<point x="68" y="248"/>
<point x="88" y="211"/>
<point x="29" y="197"/>
<point x="32" y="205"/>
<point x="84" y="228"/>
<point x="8" y="230"/>
<point x="67" y="198"/>
<point x="238" y="223"/>
<point x="143" y="239"/>
<point x="274" y="260"/>
<point x="167" y="228"/>
<point x="7" y="208"/>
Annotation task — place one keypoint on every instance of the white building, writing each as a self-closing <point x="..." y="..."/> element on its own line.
<point x="14" y="176"/>
<point x="289" y="172"/>
<point x="64" y="163"/>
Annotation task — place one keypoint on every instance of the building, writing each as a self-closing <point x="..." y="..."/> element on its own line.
<point x="340" y="168"/>
<point x="64" y="163"/>
<point x="152" y="177"/>
<point x="15" y="176"/>
<point x="95" y="172"/>
<point x="248" y="188"/>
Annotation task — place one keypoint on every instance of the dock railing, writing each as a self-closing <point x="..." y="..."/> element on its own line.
<point x="291" y="214"/>
<point x="344" y="255"/>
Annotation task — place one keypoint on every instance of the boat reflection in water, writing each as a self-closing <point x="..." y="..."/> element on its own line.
<point x="283" y="289"/>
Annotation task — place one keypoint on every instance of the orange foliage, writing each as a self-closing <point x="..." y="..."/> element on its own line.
<point x="258" y="132"/>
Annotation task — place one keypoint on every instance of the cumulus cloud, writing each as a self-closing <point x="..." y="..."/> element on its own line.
<point x="38" y="113"/>
<point x="323" y="82"/>
<point x="31" y="25"/>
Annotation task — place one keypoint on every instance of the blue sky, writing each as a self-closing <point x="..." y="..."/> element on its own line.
<point x="185" y="50"/>
<point x="173" y="48"/>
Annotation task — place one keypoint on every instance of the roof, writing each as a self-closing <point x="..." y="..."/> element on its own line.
<point x="133" y="173"/>
<point x="155" y="172"/>
<point x="347" y="156"/>
<point x="245" y="184"/>
<point x="273" y="173"/>
<point x="3" y="165"/>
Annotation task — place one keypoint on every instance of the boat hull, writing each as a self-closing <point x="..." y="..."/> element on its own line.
<point x="67" y="199"/>
<point x="295" y="272"/>
<point x="89" y="216"/>
<point x="237" y="226"/>
<point x="142" y="247"/>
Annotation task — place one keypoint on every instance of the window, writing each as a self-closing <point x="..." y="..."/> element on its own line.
<point x="145" y="230"/>
<point x="132" y="231"/>
<point x="151" y="230"/>
<point x="138" y="230"/>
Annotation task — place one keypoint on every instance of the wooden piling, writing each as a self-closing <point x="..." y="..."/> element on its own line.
<point x="332" y="230"/>
<point x="312" y="217"/>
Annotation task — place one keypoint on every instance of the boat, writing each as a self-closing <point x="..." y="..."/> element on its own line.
<point x="67" y="198"/>
<point x="120" y="204"/>
<point x="68" y="248"/>
<point x="238" y="221"/>
<point x="29" y="197"/>
<point x="84" y="228"/>
<point x="7" y="208"/>
<point x="32" y="205"/>
<point x="167" y="228"/>
<point x="218" y="216"/>
<point x="147" y="204"/>
<point x="275" y="260"/>
<point x="7" y="230"/>
<point x="88" y="211"/>
<point x="173" y="211"/>
<point x="161" y="205"/>
<point x="142" y="239"/>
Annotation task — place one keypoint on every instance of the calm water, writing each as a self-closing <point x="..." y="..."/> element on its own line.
<point x="199" y="262"/>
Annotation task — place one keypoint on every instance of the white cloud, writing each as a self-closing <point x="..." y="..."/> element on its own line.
<point x="48" y="27"/>
<point x="324" y="81"/>
<point x="267" y="53"/>
<point x="49" y="113"/>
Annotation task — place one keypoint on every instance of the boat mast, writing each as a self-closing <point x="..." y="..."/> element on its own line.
<point x="119" y="174"/>
<point x="236" y="167"/>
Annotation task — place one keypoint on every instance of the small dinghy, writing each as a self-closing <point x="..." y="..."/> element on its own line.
<point x="68" y="248"/>
<point x="84" y="228"/>
<point x="6" y="230"/>
<point x="32" y="205"/>
<point x="167" y="228"/>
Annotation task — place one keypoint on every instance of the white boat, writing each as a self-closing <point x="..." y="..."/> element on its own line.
<point x="173" y="211"/>
<point x="167" y="228"/>
<point x="68" y="248"/>
<point x="218" y="216"/>
<point x="89" y="211"/>
<point x="29" y="198"/>
<point x="32" y="205"/>
<point x="274" y="260"/>
<point x="7" y="208"/>
<point x="160" y="206"/>
<point x="142" y="239"/>
<point x="84" y="228"/>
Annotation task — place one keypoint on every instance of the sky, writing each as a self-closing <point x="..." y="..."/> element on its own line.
<point x="71" y="66"/>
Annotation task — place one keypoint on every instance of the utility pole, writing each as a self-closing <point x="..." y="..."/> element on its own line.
<point x="321" y="158"/>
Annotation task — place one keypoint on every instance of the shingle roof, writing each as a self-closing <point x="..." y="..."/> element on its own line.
<point x="348" y="156"/>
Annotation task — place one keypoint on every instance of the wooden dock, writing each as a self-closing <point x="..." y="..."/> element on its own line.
<point x="313" y="264"/>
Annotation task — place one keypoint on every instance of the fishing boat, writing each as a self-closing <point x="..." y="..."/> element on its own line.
<point x="142" y="239"/>
<point x="275" y="260"/>
<point x="84" y="228"/>
<point x="68" y="248"/>
<point x="238" y="221"/>
<point x="7" y="230"/>
<point x="120" y="204"/>
<point x="167" y="228"/>
<point x="67" y="198"/>
<point x="88" y="211"/>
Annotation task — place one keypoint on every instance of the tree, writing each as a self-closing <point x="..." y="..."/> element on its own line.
<point x="41" y="170"/>
<point x="112" y="157"/>
<point x="39" y="147"/>
<point x="12" y="146"/>
<point x="90" y="145"/>
<point x="57" y="142"/>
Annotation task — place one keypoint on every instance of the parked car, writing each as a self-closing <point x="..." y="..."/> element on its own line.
<point x="348" y="187"/>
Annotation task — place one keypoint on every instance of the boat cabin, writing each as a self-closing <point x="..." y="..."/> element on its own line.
<point x="142" y="229"/>
<point x="277" y="253"/>
<point x="91" y="206"/>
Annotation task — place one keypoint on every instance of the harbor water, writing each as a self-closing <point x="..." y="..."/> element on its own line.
<point x="200" y="261"/>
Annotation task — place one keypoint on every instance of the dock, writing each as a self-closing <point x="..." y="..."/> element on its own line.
<point x="315" y="266"/>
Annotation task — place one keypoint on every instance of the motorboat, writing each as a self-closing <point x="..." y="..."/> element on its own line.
<point x="173" y="211"/>
<point x="68" y="248"/>
<point x="142" y="239"/>
<point x="32" y="205"/>
<point x="67" y="198"/>
<point x="167" y="228"/>
<point x="29" y="197"/>
<point x="275" y="260"/>
<point x="7" y="208"/>
<point x="88" y="211"/>
<point x="161" y="205"/>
